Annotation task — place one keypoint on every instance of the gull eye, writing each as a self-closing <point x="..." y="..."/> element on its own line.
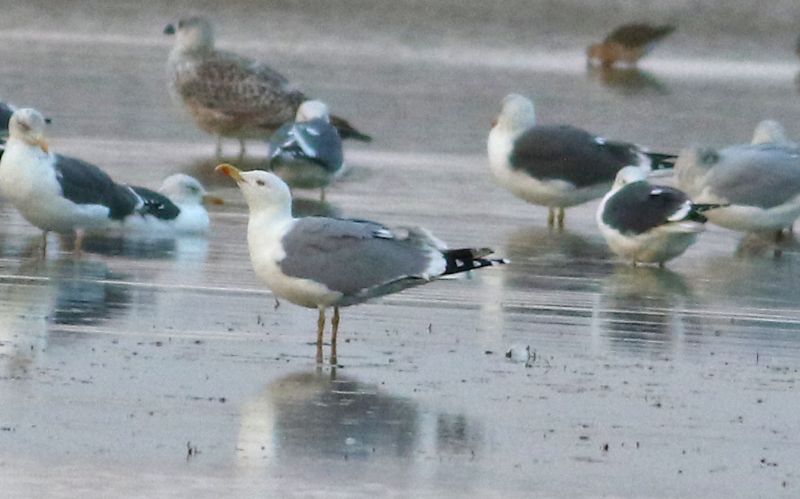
<point x="260" y="182"/>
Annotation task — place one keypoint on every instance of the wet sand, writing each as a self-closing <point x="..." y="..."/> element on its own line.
<point x="156" y="368"/>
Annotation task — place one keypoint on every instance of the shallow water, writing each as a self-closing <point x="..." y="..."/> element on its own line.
<point x="161" y="367"/>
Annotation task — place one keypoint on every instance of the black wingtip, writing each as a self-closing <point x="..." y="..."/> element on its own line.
<point x="169" y="29"/>
<point x="466" y="259"/>
<point x="348" y="131"/>
<point x="661" y="161"/>
<point x="355" y="135"/>
<point x="701" y="207"/>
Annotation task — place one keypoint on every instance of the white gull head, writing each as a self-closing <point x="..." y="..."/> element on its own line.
<point x="28" y="125"/>
<point x="312" y="109"/>
<point x="192" y="34"/>
<point x="516" y="114"/>
<point x="183" y="189"/>
<point x="769" y="132"/>
<point x="264" y="192"/>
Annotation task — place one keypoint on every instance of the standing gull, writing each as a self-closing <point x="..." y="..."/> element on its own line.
<point x="320" y="262"/>
<point x="628" y="43"/>
<point x="229" y="95"/>
<point x="557" y="166"/>
<point x="59" y="193"/>
<point x="758" y="183"/>
<point x="646" y="223"/>
<point x="307" y="153"/>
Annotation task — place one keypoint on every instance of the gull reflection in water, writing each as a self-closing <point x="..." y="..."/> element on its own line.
<point x="320" y="415"/>
<point x="543" y="254"/>
<point x="142" y="247"/>
<point x="541" y="260"/>
<point x="628" y="81"/>
<point x="43" y="294"/>
<point x="643" y="309"/>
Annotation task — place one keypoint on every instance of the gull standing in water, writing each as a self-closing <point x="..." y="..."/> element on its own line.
<point x="67" y="195"/>
<point x="646" y="223"/>
<point x="557" y="166"/>
<point x="759" y="183"/>
<point x="321" y="262"/>
<point x="307" y="153"/>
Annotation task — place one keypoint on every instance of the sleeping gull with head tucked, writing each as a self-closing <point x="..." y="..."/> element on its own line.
<point x="557" y="166"/>
<point x="228" y="95"/>
<point x="321" y="262"/>
<point x="646" y="223"/>
<point x="759" y="183"/>
<point x="307" y="153"/>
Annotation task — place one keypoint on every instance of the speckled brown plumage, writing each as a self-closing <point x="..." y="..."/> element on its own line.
<point x="229" y="95"/>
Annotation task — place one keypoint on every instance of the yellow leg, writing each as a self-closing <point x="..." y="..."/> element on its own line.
<point x="219" y="146"/>
<point x="320" y="329"/>
<point x="242" y="149"/>
<point x="551" y="217"/>
<point x="334" y="332"/>
<point x="44" y="244"/>
<point x="322" y="195"/>
<point x="78" y="249"/>
<point x="561" y="218"/>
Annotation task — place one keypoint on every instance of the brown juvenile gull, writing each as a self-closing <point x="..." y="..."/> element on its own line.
<point x="628" y="43"/>
<point x="228" y="95"/>
<point x="321" y="262"/>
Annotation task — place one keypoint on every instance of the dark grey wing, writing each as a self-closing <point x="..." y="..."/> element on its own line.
<point x="156" y="204"/>
<point x="83" y="183"/>
<point x="281" y="140"/>
<point x="640" y="206"/>
<point x="315" y="140"/>
<point x="352" y="256"/>
<point x="5" y="115"/>
<point x="571" y="154"/>
<point x="763" y="175"/>
<point x="241" y="89"/>
<point x="639" y="35"/>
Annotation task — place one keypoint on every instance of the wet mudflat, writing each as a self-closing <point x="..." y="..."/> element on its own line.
<point x="152" y="367"/>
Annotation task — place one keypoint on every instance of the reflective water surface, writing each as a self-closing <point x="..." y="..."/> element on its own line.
<point x="161" y="367"/>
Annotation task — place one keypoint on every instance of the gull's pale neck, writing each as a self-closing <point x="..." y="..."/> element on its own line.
<point x="628" y="175"/>
<point x="196" y="39"/>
